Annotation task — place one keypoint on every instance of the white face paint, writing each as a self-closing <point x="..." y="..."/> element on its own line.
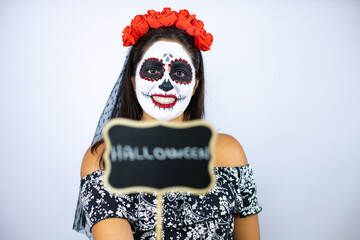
<point x="165" y="80"/>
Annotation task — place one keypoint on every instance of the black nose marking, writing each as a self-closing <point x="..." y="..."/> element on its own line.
<point x="166" y="86"/>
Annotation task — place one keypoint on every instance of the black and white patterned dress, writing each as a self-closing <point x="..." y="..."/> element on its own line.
<point x="185" y="216"/>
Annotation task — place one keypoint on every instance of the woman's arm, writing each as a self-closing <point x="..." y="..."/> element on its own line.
<point x="246" y="228"/>
<point x="111" y="228"/>
<point x="229" y="153"/>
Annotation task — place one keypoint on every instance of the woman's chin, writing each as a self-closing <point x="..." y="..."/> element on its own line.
<point x="163" y="116"/>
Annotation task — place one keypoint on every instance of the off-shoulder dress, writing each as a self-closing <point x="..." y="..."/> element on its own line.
<point x="185" y="216"/>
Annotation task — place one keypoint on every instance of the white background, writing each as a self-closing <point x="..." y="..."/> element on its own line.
<point x="282" y="77"/>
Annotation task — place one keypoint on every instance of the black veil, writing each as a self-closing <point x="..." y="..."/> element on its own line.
<point x="111" y="110"/>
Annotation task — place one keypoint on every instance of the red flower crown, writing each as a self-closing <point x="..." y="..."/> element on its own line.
<point x="182" y="20"/>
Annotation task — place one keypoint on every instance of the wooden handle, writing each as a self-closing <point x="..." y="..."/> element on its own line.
<point x="159" y="217"/>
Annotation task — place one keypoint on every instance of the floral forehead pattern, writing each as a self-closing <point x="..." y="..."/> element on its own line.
<point x="183" y="20"/>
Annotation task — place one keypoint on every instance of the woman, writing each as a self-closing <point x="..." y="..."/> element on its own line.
<point x="163" y="79"/>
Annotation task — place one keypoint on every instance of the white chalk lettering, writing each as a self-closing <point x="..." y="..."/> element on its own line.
<point x="147" y="155"/>
<point x="201" y="153"/>
<point x="128" y="153"/>
<point x="207" y="153"/>
<point x="180" y="153"/>
<point x="187" y="152"/>
<point x="159" y="153"/>
<point x="170" y="153"/>
<point x="194" y="153"/>
<point x="137" y="155"/>
<point x="114" y="155"/>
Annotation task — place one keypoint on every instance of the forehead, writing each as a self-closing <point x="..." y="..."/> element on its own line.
<point x="160" y="48"/>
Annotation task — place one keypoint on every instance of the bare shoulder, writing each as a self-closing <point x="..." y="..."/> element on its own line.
<point x="90" y="162"/>
<point x="228" y="152"/>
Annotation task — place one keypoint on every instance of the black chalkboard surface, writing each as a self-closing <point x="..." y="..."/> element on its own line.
<point x="158" y="157"/>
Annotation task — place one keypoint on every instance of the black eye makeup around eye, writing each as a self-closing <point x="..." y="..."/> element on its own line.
<point x="152" y="69"/>
<point x="181" y="71"/>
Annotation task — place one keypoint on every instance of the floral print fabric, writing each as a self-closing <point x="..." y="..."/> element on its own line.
<point x="185" y="216"/>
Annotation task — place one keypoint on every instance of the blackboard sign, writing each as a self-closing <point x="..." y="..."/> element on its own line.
<point x="158" y="157"/>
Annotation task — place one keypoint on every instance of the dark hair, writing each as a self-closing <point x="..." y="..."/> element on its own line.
<point x="130" y="107"/>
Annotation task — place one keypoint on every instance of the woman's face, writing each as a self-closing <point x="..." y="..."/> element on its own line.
<point x="165" y="80"/>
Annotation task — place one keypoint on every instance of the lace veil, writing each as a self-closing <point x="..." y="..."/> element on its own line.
<point x="111" y="110"/>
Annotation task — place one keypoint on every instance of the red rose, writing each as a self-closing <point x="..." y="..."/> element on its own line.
<point x="152" y="18"/>
<point x="129" y="36"/>
<point x="195" y="28"/>
<point x="140" y="25"/>
<point x="184" y="19"/>
<point x="168" y="17"/>
<point x="184" y="12"/>
<point x="204" y="41"/>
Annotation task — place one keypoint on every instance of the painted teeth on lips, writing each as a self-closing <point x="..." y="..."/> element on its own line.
<point x="164" y="100"/>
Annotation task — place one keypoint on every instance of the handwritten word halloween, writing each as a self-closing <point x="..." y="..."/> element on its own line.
<point x="129" y="153"/>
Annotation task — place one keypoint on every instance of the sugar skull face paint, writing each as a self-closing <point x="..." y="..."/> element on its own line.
<point x="165" y="80"/>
